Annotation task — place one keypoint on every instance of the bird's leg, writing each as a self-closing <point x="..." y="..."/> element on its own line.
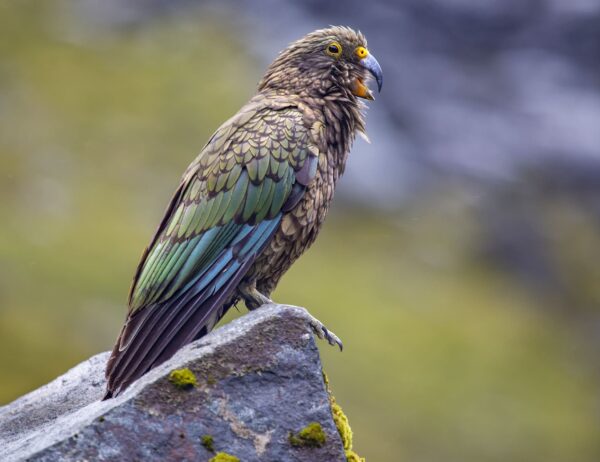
<point x="252" y="297"/>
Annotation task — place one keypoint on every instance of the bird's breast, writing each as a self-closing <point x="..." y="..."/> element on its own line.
<point x="298" y="230"/>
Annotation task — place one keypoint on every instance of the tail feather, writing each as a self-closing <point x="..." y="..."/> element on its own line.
<point x="172" y="324"/>
<point x="153" y="334"/>
<point x="220" y="300"/>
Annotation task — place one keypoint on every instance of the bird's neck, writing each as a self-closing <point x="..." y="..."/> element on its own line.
<point x="342" y="118"/>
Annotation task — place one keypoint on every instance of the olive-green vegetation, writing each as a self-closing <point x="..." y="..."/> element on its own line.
<point x="97" y="126"/>
<point x="444" y="359"/>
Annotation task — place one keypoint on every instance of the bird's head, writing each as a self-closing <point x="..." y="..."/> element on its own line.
<point x="326" y="61"/>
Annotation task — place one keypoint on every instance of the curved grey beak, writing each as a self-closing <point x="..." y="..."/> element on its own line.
<point x="371" y="64"/>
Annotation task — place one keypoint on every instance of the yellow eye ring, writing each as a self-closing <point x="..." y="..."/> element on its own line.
<point x="334" y="49"/>
<point x="361" y="52"/>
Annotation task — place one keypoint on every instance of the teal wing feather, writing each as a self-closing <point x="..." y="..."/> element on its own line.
<point x="226" y="209"/>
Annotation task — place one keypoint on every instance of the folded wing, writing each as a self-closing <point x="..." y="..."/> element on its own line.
<point x="225" y="211"/>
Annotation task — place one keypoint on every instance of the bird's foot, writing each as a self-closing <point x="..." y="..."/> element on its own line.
<point x="323" y="333"/>
<point x="252" y="297"/>
<point x="319" y="329"/>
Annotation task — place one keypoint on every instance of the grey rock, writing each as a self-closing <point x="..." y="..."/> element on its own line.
<point x="259" y="378"/>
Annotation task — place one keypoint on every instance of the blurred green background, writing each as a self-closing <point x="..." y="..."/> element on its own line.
<point x="448" y="356"/>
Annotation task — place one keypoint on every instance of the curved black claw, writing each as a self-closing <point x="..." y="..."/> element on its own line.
<point x="325" y="334"/>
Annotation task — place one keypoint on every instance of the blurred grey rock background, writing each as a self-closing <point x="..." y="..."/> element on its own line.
<point x="480" y="89"/>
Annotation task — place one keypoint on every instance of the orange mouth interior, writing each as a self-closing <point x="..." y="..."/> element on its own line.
<point x="361" y="90"/>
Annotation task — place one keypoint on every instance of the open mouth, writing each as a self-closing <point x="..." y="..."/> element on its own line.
<point x="361" y="90"/>
<point x="369" y="63"/>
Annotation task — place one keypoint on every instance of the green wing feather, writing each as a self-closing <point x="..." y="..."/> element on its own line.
<point x="243" y="175"/>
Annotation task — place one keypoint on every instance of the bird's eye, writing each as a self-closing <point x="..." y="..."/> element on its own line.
<point x="361" y="52"/>
<point x="334" y="49"/>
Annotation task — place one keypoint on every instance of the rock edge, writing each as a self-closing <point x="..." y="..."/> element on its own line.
<point x="259" y="379"/>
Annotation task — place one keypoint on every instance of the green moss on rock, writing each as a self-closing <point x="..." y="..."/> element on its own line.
<point x="224" y="457"/>
<point x="341" y="422"/>
<point x="183" y="378"/>
<point x="310" y="436"/>
<point x="208" y="442"/>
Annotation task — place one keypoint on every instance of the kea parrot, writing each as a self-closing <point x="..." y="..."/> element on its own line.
<point x="251" y="202"/>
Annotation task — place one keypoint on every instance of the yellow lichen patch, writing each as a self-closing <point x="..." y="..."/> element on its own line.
<point x="183" y="378"/>
<point x="224" y="457"/>
<point x="342" y="425"/>
<point x="341" y="422"/>
<point x="351" y="456"/>
<point x="311" y="436"/>
<point x="208" y="442"/>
